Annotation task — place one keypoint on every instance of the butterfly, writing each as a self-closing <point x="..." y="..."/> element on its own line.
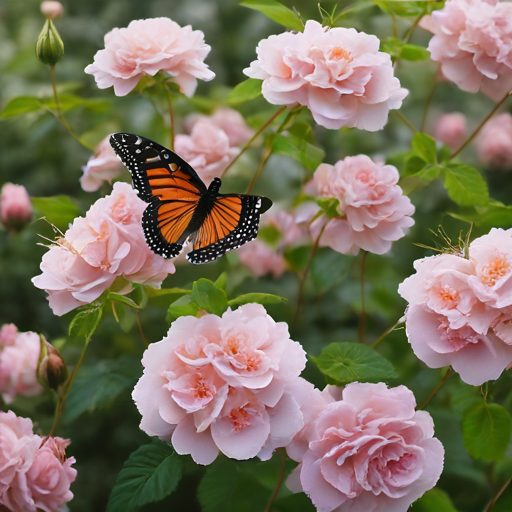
<point x="181" y="208"/>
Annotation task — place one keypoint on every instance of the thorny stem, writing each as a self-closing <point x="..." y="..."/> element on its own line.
<point x="171" y="117"/>
<point x="405" y="120"/>
<point x="497" y="497"/>
<point x="363" y="309"/>
<point x="386" y="332"/>
<point x="141" y="331"/>
<point x="480" y="126"/>
<point x="279" y="482"/>
<point x="60" y="114"/>
<point x="430" y="97"/>
<point x="254" y="137"/>
<point x="447" y="375"/>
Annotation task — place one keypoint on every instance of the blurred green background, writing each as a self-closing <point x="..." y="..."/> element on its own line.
<point x="36" y="151"/>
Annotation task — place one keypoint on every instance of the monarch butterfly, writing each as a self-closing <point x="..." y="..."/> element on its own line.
<point x="181" y="208"/>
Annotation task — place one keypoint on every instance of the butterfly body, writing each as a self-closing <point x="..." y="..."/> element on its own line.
<point x="181" y="208"/>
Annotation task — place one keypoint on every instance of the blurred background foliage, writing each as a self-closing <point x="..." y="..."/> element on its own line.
<point x="36" y="151"/>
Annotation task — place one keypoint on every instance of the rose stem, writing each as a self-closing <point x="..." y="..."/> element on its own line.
<point x="279" y="482"/>
<point x="363" y="309"/>
<point x="436" y="389"/>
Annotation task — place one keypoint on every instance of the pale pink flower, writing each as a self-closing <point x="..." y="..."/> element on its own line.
<point x="476" y="357"/>
<point x="108" y="243"/>
<point x="473" y="45"/>
<point x="228" y="120"/>
<point x="51" y="8"/>
<point x="502" y="327"/>
<point x="373" y="210"/>
<point x="338" y="73"/>
<point x="103" y="166"/>
<point x="261" y="259"/>
<point x="206" y="149"/>
<point x="494" y="144"/>
<point x="222" y="384"/>
<point x="289" y="226"/>
<point x="491" y="255"/>
<point x="18" y="367"/>
<point x="370" y="451"/>
<point x="15" y="206"/>
<point x="8" y="333"/>
<point x="146" y="47"/>
<point x="451" y="129"/>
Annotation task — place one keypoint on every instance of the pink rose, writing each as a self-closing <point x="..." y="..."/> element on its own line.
<point x="15" y="206"/>
<point x="103" y="166"/>
<point x="222" y="384"/>
<point x="146" y="47"/>
<point x="373" y="210"/>
<point x="206" y="149"/>
<point x="8" y="333"/>
<point x="18" y="367"/>
<point x="51" y="8"/>
<point x="289" y="226"/>
<point x="494" y="144"/>
<point x="108" y="243"/>
<point x="472" y="43"/>
<point x="451" y="129"/>
<point x="261" y="259"/>
<point x="338" y="73"/>
<point x="370" y="451"/>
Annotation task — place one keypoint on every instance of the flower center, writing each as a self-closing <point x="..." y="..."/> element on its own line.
<point x="449" y="296"/>
<point x="494" y="270"/>
<point x="338" y="53"/>
<point x="202" y="390"/>
<point x="240" y="418"/>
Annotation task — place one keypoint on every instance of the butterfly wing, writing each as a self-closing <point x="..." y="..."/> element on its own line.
<point x="170" y="186"/>
<point x="232" y="222"/>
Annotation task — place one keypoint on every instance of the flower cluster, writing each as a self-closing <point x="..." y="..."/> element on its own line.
<point x="494" y="144"/>
<point x="146" y="47"/>
<point x="15" y="206"/>
<point x="211" y="145"/>
<point x="460" y="312"/>
<point x="338" y="73"/>
<point x="222" y="383"/>
<point x="104" y="165"/>
<point x="105" y="244"/>
<point x="19" y="355"/>
<point x="33" y="476"/>
<point x="472" y="43"/>
<point x="372" y="211"/>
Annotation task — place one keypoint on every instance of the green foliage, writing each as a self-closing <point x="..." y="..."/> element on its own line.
<point x="329" y="206"/>
<point x="208" y="297"/>
<point x="299" y="149"/>
<point x="405" y="51"/>
<point x="494" y="214"/>
<point x="408" y="9"/>
<point x="435" y="500"/>
<point x="181" y="307"/>
<point x="277" y="12"/>
<point x="86" y="321"/>
<point x="465" y="185"/>
<point x="150" y="474"/>
<point x="349" y="362"/>
<point x="247" y="90"/>
<point x="487" y="429"/>
<point x="123" y="299"/>
<point x="425" y="147"/>
<point x="57" y="210"/>
<point x="259" y="298"/>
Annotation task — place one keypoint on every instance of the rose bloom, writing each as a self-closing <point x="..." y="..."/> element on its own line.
<point x="8" y="333"/>
<point x="338" y="73"/>
<point x="230" y="121"/>
<point x="103" y="166"/>
<point x="369" y="451"/>
<point x="15" y="206"/>
<point x="222" y="383"/>
<point x="373" y="210"/>
<point x="494" y="144"/>
<point x="206" y="149"/>
<point x="108" y="243"/>
<point x="51" y="9"/>
<point x="146" y="47"/>
<point x="451" y="129"/>
<point x="261" y="259"/>
<point x="472" y="43"/>
<point x="18" y="367"/>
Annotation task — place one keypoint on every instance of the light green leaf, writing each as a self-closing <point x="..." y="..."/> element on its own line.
<point x="150" y="474"/>
<point x="307" y="154"/>
<point x="58" y="210"/>
<point x="258" y="298"/>
<point x="400" y="50"/>
<point x="487" y="430"/>
<point x="181" y="307"/>
<point x="247" y="90"/>
<point x="206" y="296"/>
<point x="277" y="12"/>
<point x="435" y="500"/>
<point x="465" y="185"/>
<point x="425" y="147"/>
<point x="349" y="362"/>
<point x="123" y="299"/>
<point x="495" y="214"/>
<point x="429" y="173"/>
<point x="85" y="322"/>
<point x="22" y="105"/>
<point x="329" y="206"/>
<point x="408" y="9"/>
<point x="222" y="281"/>
<point x="153" y="292"/>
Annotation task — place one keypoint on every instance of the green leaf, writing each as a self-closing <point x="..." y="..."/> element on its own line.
<point x="277" y="12"/>
<point x="328" y="268"/>
<point x="400" y="50"/>
<point x="151" y="473"/>
<point x="429" y="173"/>
<point x="407" y="9"/>
<point x="85" y="322"/>
<point x="22" y="105"/>
<point x="222" y="281"/>
<point x="464" y="397"/>
<point x="329" y="206"/>
<point x="206" y="296"/>
<point x="245" y="91"/>
<point x="425" y="147"/>
<point x="349" y="362"/>
<point x="123" y="299"/>
<point x="495" y="214"/>
<point x="435" y="500"/>
<point x="153" y="292"/>
<point x="307" y="154"/>
<point x="258" y="298"/>
<point x="181" y="307"/>
<point x="58" y="210"/>
<point x="465" y="185"/>
<point x="99" y="385"/>
<point x="487" y="430"/>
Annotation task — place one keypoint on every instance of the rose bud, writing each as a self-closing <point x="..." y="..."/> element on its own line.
<point x="15" y="206"/>
<point x="49" y="47"/>
<point x="52" y="9"/>
<point x="52" y="371"/>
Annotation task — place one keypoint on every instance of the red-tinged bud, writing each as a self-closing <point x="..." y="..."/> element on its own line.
<point x="52" y="9"/>
<point x="15" y="207"/>
<point x="52" y="371"/>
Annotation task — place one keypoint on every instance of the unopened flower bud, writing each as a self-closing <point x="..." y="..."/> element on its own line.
<point x="52" y="9"/>
<point x="49" y="47"/>
<point x="15" y="207"/>
<point x="52" y="370"/>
